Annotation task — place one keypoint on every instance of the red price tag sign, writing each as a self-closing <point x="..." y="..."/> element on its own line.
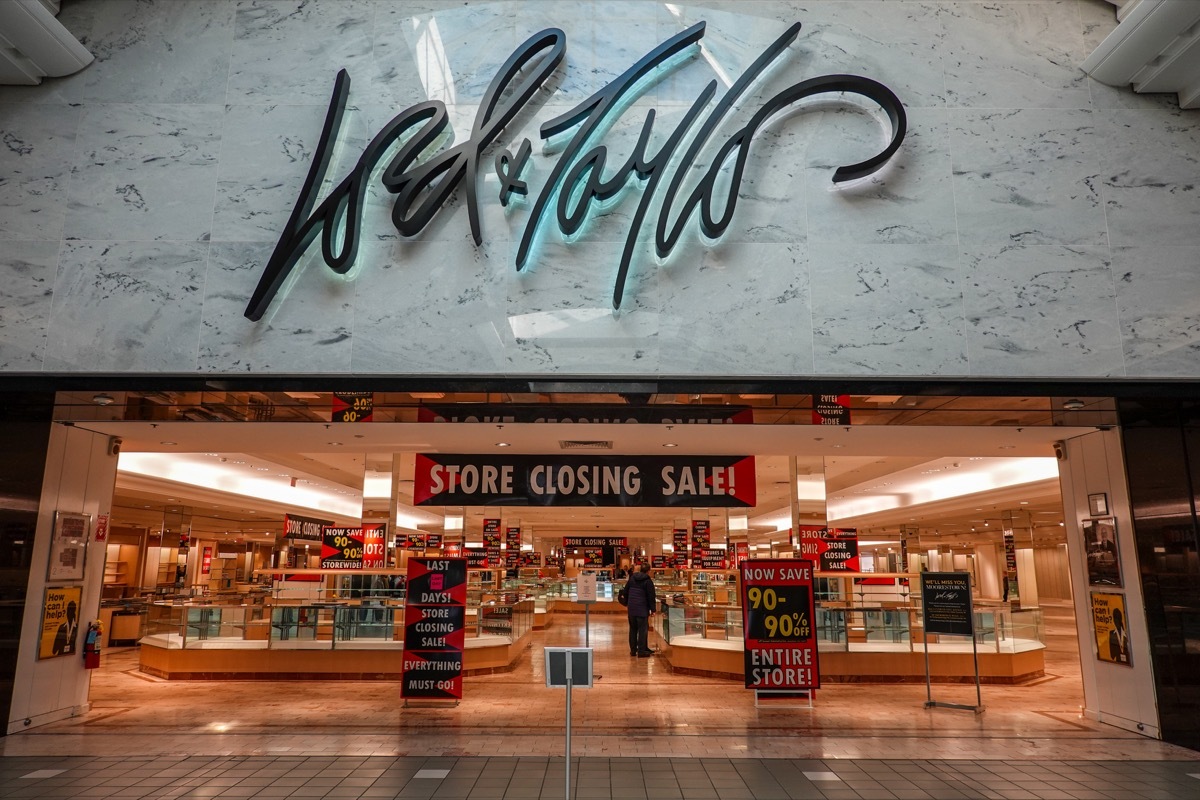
<point x="353" y="406"/>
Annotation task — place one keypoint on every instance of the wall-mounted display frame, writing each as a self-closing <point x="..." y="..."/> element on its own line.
<point x="68" y="546"/>
<point x="1103" y="555"/>
<point x="1111" y="625"/>
<point x="1098" y="504"/>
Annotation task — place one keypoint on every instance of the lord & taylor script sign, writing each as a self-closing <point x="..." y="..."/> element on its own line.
<point x="581" y="175"/>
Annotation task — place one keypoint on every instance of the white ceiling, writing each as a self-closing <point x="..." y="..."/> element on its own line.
<point x="890" y="469"/>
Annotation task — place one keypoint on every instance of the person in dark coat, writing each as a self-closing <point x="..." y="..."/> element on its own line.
<point x="642" y="603"/>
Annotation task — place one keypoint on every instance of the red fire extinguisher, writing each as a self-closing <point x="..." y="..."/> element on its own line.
<point x="91" y="646"/>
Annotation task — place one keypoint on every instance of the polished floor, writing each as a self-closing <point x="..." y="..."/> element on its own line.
<point x="641" y="732"/>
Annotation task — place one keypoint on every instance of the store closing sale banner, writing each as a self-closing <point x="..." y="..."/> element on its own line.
<point x="434" y="637"/>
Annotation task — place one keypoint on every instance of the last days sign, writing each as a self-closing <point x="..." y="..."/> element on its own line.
<point x="538" y="480"/>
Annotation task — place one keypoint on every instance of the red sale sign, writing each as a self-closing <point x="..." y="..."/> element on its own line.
<point x="374" y="545"/>
<point x="833" y="549"/>
<point x="779" y="624"/>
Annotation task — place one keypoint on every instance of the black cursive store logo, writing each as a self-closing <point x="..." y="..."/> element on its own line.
<point x="578" y="178"/>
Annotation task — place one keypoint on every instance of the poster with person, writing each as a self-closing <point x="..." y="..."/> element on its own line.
<point x="1112" y="628"/>
<point x="1103" y="558"/>
<point x="60" y="622"/>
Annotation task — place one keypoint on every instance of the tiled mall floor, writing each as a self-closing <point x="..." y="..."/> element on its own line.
<point x="641" y="732"/>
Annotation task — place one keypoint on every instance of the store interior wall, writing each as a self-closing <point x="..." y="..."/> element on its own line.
<point x="25" y="431"/>
<point x="79" y="477"/>
<point x="1122" y="695"/>
<point x="1053" y="573"/>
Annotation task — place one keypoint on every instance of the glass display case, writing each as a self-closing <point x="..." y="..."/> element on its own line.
<point x="722" y="623"/>
<point x="364" y="624"/>
<point x="714" y="586"/>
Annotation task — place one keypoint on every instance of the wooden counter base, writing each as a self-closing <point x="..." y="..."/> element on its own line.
<point x="844" y="667"/>
<point x="308" y="665"/>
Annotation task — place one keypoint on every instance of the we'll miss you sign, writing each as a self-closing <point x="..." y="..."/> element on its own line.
<point x="580" y="176"/>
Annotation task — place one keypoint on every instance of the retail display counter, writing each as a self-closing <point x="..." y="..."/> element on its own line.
<point x="299" y="641"/>
<point x="866" y="644"/>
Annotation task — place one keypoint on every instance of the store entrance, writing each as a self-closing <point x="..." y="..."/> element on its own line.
<point x="230" y="579"/>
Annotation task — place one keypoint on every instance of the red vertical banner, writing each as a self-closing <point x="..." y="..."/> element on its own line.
<point x="741" y="552"/>
<point x="512" y="547"/>
<point x="102" y="527"/>
<point x="491" y="541"/>
<point x="779" y="625"/>
<point x="434" y="628"/>
<point x="831" y="409"/>
<point x="701" y="539"/>
<point x="374" y="545"/>
<point x="452" y="549"/>
<point x="206" y="561"/>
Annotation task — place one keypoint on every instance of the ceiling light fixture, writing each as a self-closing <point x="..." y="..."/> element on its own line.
<point x="670" y="444"/>
<point x="1073" y="404"/>
<point x="503" y="444"/>
<point x="169" y="444"/>
<point x="103" y="399"/>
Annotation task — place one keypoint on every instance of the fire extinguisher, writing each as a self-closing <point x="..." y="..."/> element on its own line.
<point x="91" y="646"/>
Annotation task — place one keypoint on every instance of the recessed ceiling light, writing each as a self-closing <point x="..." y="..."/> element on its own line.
<point x="239" y="462"/>
<point x="169" y="443"/>
<point x="336" y="444"/>
<point x="503" y="444"/>
<point x="670" y="444"/>
<point x="1008" y="447"/>
<point x="262" y="469"/>
<point x="1073" y="404"/>
<point x="1024" y="502"/>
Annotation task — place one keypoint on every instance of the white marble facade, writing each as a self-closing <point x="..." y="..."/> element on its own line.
<point x="1034" y="224"/>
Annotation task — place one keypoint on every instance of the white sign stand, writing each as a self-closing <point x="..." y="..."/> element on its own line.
<point x="567" y="666"/>
<point x="585" y="592"/>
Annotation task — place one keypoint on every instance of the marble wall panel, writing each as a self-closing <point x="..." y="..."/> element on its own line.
<point x="266" y="152"/>
<point x="910" y="201"/>
<point x="167" y="52"/>
<point x="289" y="52"/>
<point x="199" y="120"/>
<point x="737" y="309"/>
<point x="1028" y="176"/>
<point x="903" y="41"/>
<point x="896" y="309"/>
<point x="309" y="330"/>
<point x="1151" y="177"/>
<point x="1014" y="55"/>
<point x="1040" y="311"/>
<point x="127" y="307"/>
<point x="145" y="172"/>
<point x="430" y="307"/>
<point x="26" y="289"/>
<point x="1157" y="289"/>
<point x="560" y="318"/>
<point x="37" y="143"/>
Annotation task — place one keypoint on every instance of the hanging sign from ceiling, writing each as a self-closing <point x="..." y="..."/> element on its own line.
<point x="577" y="180"/>
<point x="686" y="481"/>
<point x="589" y="414"/>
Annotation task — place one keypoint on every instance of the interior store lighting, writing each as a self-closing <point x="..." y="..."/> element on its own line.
<point x="191" y="471"/>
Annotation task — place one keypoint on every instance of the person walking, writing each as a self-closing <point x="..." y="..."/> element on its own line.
<point x="642" y="602"/>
